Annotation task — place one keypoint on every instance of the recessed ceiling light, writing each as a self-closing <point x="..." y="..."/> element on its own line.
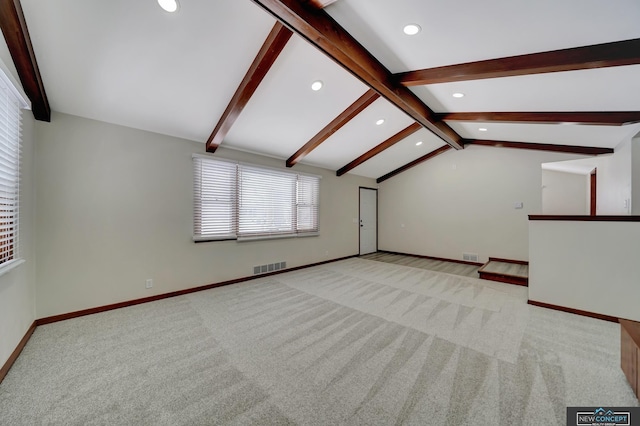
<point x="418" y="143"/>
<point x="168" y="5"/>
<point x="458" y="95"/>
<point x="317" y="85"/>
<point x="379" y="122"/>
<point x="411" y="29"/>
<point x="483" y="129"/>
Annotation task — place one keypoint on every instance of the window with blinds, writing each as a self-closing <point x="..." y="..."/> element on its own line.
<point x="243" y="201"/>
<point x="11" y="104"/>
<point x="307" y="195"/>
<point x="214" y="194"/>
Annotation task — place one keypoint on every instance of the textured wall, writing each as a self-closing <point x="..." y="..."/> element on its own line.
<point x="115" y="207"/>
<point x="565" y="193"/>
<point x="463" y="201"/>
<point x="590" y="266"/>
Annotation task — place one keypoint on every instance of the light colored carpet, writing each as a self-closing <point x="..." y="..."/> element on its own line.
<point x="348" y="343"/>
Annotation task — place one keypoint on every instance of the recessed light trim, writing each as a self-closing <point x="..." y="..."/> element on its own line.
<point x="458" y="95"/>
<point x="169" y="5"/>
<point x="317" y="85"/>
<point x="418" y="143"/>
<point x="411" y="29"/>
<point x="483" y="129"/>
<point x="380" y="122"/>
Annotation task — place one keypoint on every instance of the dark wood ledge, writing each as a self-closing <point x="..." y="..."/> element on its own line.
<point x="442" y="259"/>
<point x="14" y="355"/>
<point x="633" y="328"/>
<point x="500" y="259"/>
<point x="585" y="218"/>
<point x="573" y="311"/>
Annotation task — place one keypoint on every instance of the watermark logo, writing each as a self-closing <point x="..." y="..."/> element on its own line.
<point x="599" y="416"/>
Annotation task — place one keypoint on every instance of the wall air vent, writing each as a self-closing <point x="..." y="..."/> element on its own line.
<point x="470" y="257"/>
<point x="263" y="269"/>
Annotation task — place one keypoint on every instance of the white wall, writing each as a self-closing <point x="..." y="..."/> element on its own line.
<point x="635" y="175"/>
<point x="590" y="266"/>
<point x="463" y="201"/>
<point x="115" y="207"/>
<point x="17" y="287"/>
<point x="614" y="176"/>
<point x="565" y="193"/>
<point x="614" y="181"/>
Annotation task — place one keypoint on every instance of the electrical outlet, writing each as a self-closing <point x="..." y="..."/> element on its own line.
<point x="149" y="283"/>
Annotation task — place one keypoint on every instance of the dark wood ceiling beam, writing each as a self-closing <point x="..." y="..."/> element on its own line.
<point x="269" y="52"/>
<point x="408" y="131"/>
<point x="345" y="116"/>
<point x="587" y="150"/>
<point x="319" y="4"/>
<point x="413" y="163"/>
<point x="326" y="34"/>
<point x="614" y="54"/>
<point x="612" y="118"/>
<point x="16" y="34"/>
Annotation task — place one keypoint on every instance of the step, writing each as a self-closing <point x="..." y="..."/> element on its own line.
<point x="505" y="271"/>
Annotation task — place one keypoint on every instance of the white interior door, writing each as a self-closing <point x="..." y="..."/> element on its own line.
<point x="368" y="220"/>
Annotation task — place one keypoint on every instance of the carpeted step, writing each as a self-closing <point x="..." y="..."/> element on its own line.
<point x="505" y="271"/>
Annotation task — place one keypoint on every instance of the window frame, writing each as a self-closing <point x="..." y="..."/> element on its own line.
<point x="247" y="184"/>
<point x="13" y="102"/>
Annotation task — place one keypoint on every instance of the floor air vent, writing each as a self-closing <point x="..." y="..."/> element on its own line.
<point x="263" y="269"/>
<point x="470" y="257"/>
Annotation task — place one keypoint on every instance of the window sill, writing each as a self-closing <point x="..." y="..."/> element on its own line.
<point x="198" y="239"/>
<point x="277" y="237"/>
<point x="10" y="265"/>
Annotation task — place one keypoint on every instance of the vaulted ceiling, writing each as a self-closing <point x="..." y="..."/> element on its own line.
<point x="237" y="73"/>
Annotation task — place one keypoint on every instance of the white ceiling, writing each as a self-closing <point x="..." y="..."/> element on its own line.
<point x="559" y="134"/>
<point x="602" y="89"/>
<point x="285" y="113"/>
<point x="461" y="31"/>
<point x="400" y="154"/>
<point x="577" y="167"/>
<point x="130" y="63"/>
<point x="360" y="135"/>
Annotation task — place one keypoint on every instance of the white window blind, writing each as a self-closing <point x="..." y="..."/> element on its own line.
<point x="10" y="146"/>
<point x="214" y="193"/>
<point x="266" y="202"/>
<point x="307" y="196"/>
<point x="246" y="201"/>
